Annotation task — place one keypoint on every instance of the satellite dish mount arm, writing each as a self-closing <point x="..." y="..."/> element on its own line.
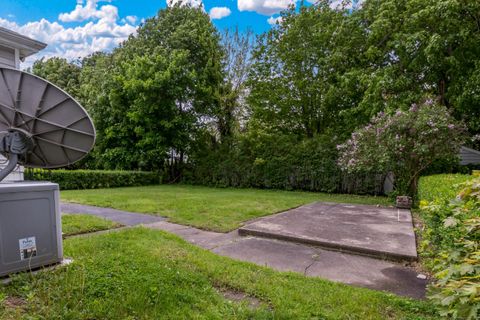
<point x="14" y="143"/>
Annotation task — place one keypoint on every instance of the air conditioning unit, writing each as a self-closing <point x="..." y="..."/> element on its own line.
<point x="30" y="226"/>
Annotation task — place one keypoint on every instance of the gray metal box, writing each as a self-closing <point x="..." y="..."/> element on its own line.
<point x="30" y="226"/>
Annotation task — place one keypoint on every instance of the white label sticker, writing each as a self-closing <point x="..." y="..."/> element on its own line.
<point x="28" y="248"/>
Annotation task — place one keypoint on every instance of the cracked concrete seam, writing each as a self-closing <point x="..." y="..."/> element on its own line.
<point x="315" y="259"/>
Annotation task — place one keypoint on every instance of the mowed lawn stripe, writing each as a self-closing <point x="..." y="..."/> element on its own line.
<point x="215" y="209"/>
<point x="147" y="274"/>
<point x="73" y="224"/>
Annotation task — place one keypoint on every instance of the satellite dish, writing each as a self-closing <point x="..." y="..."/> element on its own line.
<point x="41" y="126"/>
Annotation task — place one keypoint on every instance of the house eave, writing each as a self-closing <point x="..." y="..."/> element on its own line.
<point x="25" y="45"/>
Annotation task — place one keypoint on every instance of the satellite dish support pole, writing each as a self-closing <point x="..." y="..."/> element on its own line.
<point x="14" y="142"/>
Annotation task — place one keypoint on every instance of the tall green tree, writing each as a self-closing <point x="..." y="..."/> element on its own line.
<point x="96" y="85"/>
<point x="297" y="81"/>
<point x="156" y="91"/>
<point x="60" y="72"/>
<point x="417" y="47"/>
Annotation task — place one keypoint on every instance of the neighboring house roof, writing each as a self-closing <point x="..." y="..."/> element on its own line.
<point x="25" y="45"/>
<point x="469" y="156"/>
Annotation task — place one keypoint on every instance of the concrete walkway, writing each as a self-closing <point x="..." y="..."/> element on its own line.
<point x="313" y="261"/>
<point x="123" y="217"/>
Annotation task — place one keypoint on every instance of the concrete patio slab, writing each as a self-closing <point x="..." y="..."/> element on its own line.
<point x="385" y="233"/>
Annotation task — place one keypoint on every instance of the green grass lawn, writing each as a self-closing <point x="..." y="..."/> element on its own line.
<point x="148" y="274"/>
<point x="207" y="208"/>
<point x="73" y="224"/>
<point x="441" y="186"/>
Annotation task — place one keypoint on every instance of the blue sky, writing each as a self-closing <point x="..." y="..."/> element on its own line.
<point x="24" y="11"/>
<point x="76" y="28"/>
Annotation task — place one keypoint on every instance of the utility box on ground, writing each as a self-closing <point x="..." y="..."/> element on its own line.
<point x="30" y="226"/>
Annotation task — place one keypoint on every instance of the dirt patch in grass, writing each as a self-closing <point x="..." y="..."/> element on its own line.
<point x="240" y="297"/>
<point x="14" y="303"/>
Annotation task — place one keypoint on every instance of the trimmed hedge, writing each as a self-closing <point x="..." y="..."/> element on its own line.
<point x="93" y="179"/>
<point x="277" y="162"/>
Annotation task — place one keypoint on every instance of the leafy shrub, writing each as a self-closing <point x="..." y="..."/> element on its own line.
<point x="453" y="230"/>
<point x="405" y="143"/>
<point x="93" y="179"/>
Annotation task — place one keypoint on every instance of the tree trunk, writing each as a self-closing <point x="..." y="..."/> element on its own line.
<point x="413" y="186"/>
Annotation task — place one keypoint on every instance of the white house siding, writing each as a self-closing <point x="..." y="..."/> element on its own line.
<point x="7" y="57"/>
<point x="469" y="156"/>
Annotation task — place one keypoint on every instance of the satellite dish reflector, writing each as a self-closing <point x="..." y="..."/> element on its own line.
<point x="56" y="129"/>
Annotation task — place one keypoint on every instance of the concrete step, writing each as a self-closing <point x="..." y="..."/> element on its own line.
<point x="379" y="232"/>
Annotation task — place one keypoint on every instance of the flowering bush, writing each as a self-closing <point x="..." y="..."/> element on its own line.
<point x="453" y="229"/>
<point x="404" y="143"/>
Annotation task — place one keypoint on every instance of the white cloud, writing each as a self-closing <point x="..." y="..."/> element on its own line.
<point x="131" y="19"/>
<point x="274" y="20"/>
<point x="265" y="7"/>
<point x="89" y="11"/>
<point x="7" y="24"/>
<point x="343" y="4"/>
<point x="219" y="12"/>
<point x="193" y="3"/>
<point x="102" y="33"/>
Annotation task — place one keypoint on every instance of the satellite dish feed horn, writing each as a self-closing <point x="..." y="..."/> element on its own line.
<point x="41" y="126"/>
